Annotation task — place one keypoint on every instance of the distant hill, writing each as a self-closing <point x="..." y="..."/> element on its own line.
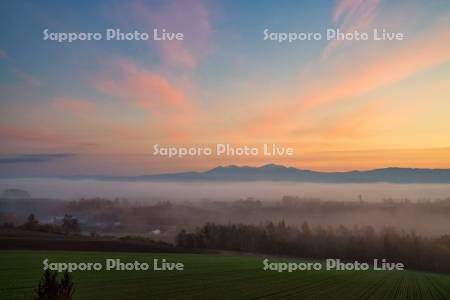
<point x="15" y="194"/>
<point x="272" y="172"/>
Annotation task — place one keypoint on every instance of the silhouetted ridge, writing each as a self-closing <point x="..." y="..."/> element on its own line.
<point x="273" y="172"/>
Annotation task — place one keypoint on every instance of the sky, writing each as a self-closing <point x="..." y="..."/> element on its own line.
<point x="99" y="107"/>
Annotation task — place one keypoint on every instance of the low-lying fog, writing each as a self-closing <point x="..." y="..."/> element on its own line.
<point x="74" y="189"/>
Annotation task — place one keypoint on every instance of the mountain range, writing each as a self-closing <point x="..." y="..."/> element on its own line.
<point x="272" y="172"/>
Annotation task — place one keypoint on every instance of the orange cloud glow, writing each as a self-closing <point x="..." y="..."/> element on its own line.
<point x="74" y="105"/>
<point x="352" y="77"/>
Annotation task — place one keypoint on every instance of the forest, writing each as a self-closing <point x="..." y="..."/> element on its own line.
<point x="361" y="243"/>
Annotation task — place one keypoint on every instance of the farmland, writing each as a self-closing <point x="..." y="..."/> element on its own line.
<point x="214" y="276"/>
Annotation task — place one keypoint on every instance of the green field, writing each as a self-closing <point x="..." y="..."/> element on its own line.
<point x="213" y="276"/>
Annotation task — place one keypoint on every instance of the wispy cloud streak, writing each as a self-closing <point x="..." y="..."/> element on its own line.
<point x="33" y="158"/>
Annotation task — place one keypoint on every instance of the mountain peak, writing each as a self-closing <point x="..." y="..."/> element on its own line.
<point x="273" y="167"/>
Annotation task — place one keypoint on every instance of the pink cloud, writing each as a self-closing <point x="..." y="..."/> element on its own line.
<point x="74" y="105"/>
<point x="189" y="17"/>
<point x="3" y="54"/>
<point x="144" y="88"/>
<point x="166" y="103"/>
<point x="10" y="132"/>
<point x="352" y="15"/>
<point x="355" y="14"/>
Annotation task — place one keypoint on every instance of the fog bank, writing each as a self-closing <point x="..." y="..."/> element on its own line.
<point x="74" y="189"/>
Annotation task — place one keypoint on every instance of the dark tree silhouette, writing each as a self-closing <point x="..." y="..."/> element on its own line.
<point x="32" y="223"/>
<point x="70" y="224"/>
<point x="50" y="288"/>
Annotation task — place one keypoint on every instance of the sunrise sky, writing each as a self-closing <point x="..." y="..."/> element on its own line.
<point x="98" y="107"/>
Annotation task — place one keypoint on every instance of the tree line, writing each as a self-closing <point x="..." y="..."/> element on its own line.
<point x="361" y="243"/>
<point x="69" y="225"/>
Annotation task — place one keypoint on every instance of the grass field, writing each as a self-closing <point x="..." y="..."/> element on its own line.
<point x="212" y="276"/>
